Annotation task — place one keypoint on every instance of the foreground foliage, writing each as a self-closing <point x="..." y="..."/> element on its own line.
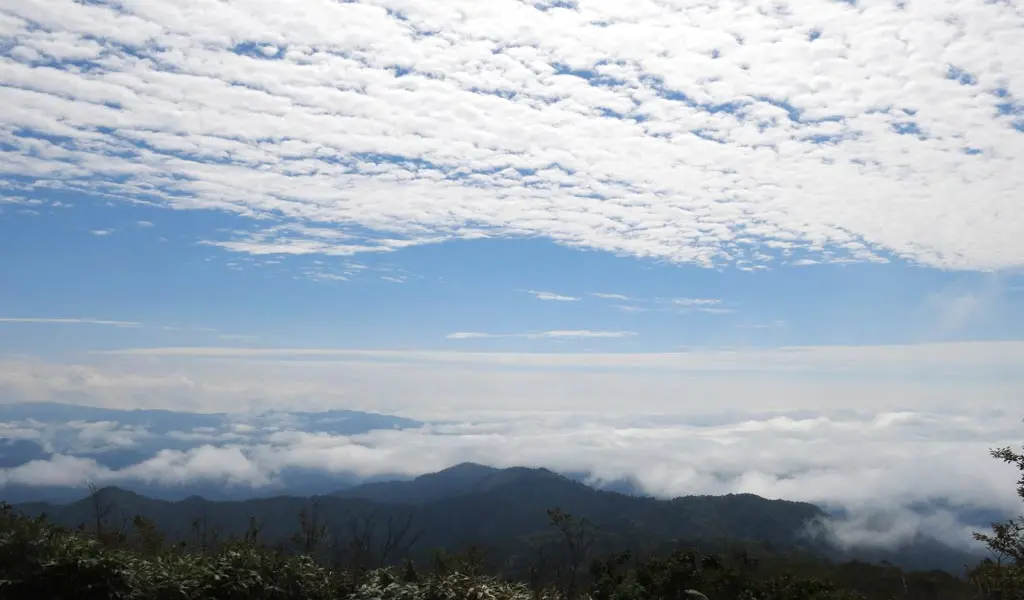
<point x="40" y="560"/>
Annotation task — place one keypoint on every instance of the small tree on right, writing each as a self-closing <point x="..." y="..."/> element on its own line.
<point x="1003" y="578"/>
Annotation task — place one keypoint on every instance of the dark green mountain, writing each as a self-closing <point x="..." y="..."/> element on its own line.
<point x="463" y="478"/>
<point x="460" y="504"/>
<point x="503" y="510"/>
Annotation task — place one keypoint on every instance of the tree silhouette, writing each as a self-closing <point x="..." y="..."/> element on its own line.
<point x="579" y="538"/>
<point x="1003" y="578"/>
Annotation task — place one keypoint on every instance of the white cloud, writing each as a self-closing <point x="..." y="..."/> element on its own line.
<point x="64" y="321"/>
<point x="631" y="308"/>
<point x="773" y="325"/>
<point x="8" y="199"/>
<point x="227" y="464"/>
<point x="316" y="275"/>
<point x="555" y="334"/>
<point x="960" y="305"/>
<point x="469" y="335"/>
<point x="103" y="435"/>
<point x="328" y="271"/>
<point x="144" y="223"/>
<point x="695" y="301"/>
<point x="101" y="232"/>
<point x="124" y="324"/>
<point x="552" y="296"/>
<point x="970" y="358"/>
<point x="714" y="310"/>
<point x="673" y="305"/>
<point x="58" y="470"/>
<point x="713" y="134"/>
<point x="931" y="378"/>
<point x="887" y="526"/>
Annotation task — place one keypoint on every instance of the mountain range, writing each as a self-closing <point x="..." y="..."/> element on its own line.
<point x="117" y="439"/>
<point x="505" y="511"/>
<point x="460" y="500"/>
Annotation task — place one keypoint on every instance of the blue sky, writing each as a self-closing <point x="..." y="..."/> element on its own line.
<point x="159" y="274"/>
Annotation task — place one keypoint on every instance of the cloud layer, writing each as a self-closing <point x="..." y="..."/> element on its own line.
<point x="874" y="430"/>
<point x="875" y="466"/>
<point x="711" y="133"/>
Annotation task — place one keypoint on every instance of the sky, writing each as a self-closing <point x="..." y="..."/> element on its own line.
<point x="507" y="210"/>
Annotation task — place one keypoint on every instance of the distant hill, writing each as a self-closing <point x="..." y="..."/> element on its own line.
<point x="159" y="421"/>
<point x="338" y="422"/>
<point x="152" y="431"/>
<point x="19" y="452"/>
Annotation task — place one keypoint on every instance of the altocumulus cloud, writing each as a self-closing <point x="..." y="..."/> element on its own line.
<point x="711" y="133"/>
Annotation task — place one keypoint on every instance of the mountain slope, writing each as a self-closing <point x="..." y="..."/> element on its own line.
<point x="522" y="495"/>
<point x="454" y="481"/>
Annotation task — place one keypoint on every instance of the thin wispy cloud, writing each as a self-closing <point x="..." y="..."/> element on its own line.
<point x="238" y="337"/>
<point x="551" y="296"/>
<point x="5" y="199"/>
<point x="670" y="305"/>
<point x="773" y="325"/>
<point x="769" y="147"/>
<point x="698" y="302"/>
<point x="960" y="306"/>
<point x="122" y="324"/>
<point x="317" y="275"/>
<point x="976" y="358"/>
<point x="101" y="232"/>
<point x="68" y="321"/>
<point x="711" y="306"/>
<point x="631" y="308"/>
<point x="144" y="223"/>
<point x="713" y="310"/>
<point x="327" y="271"/>
<point x="635" y="305"/>
<point x="555" y="334"/>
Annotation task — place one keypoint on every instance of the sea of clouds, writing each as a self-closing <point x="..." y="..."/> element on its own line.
<point x="877" y="448"/>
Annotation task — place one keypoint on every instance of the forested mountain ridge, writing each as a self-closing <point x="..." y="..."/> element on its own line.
<point x="487" y="544"/>
<point x="455" y="508"/>
<point x="520" y="495"/>
<point x="463" y="478"/>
